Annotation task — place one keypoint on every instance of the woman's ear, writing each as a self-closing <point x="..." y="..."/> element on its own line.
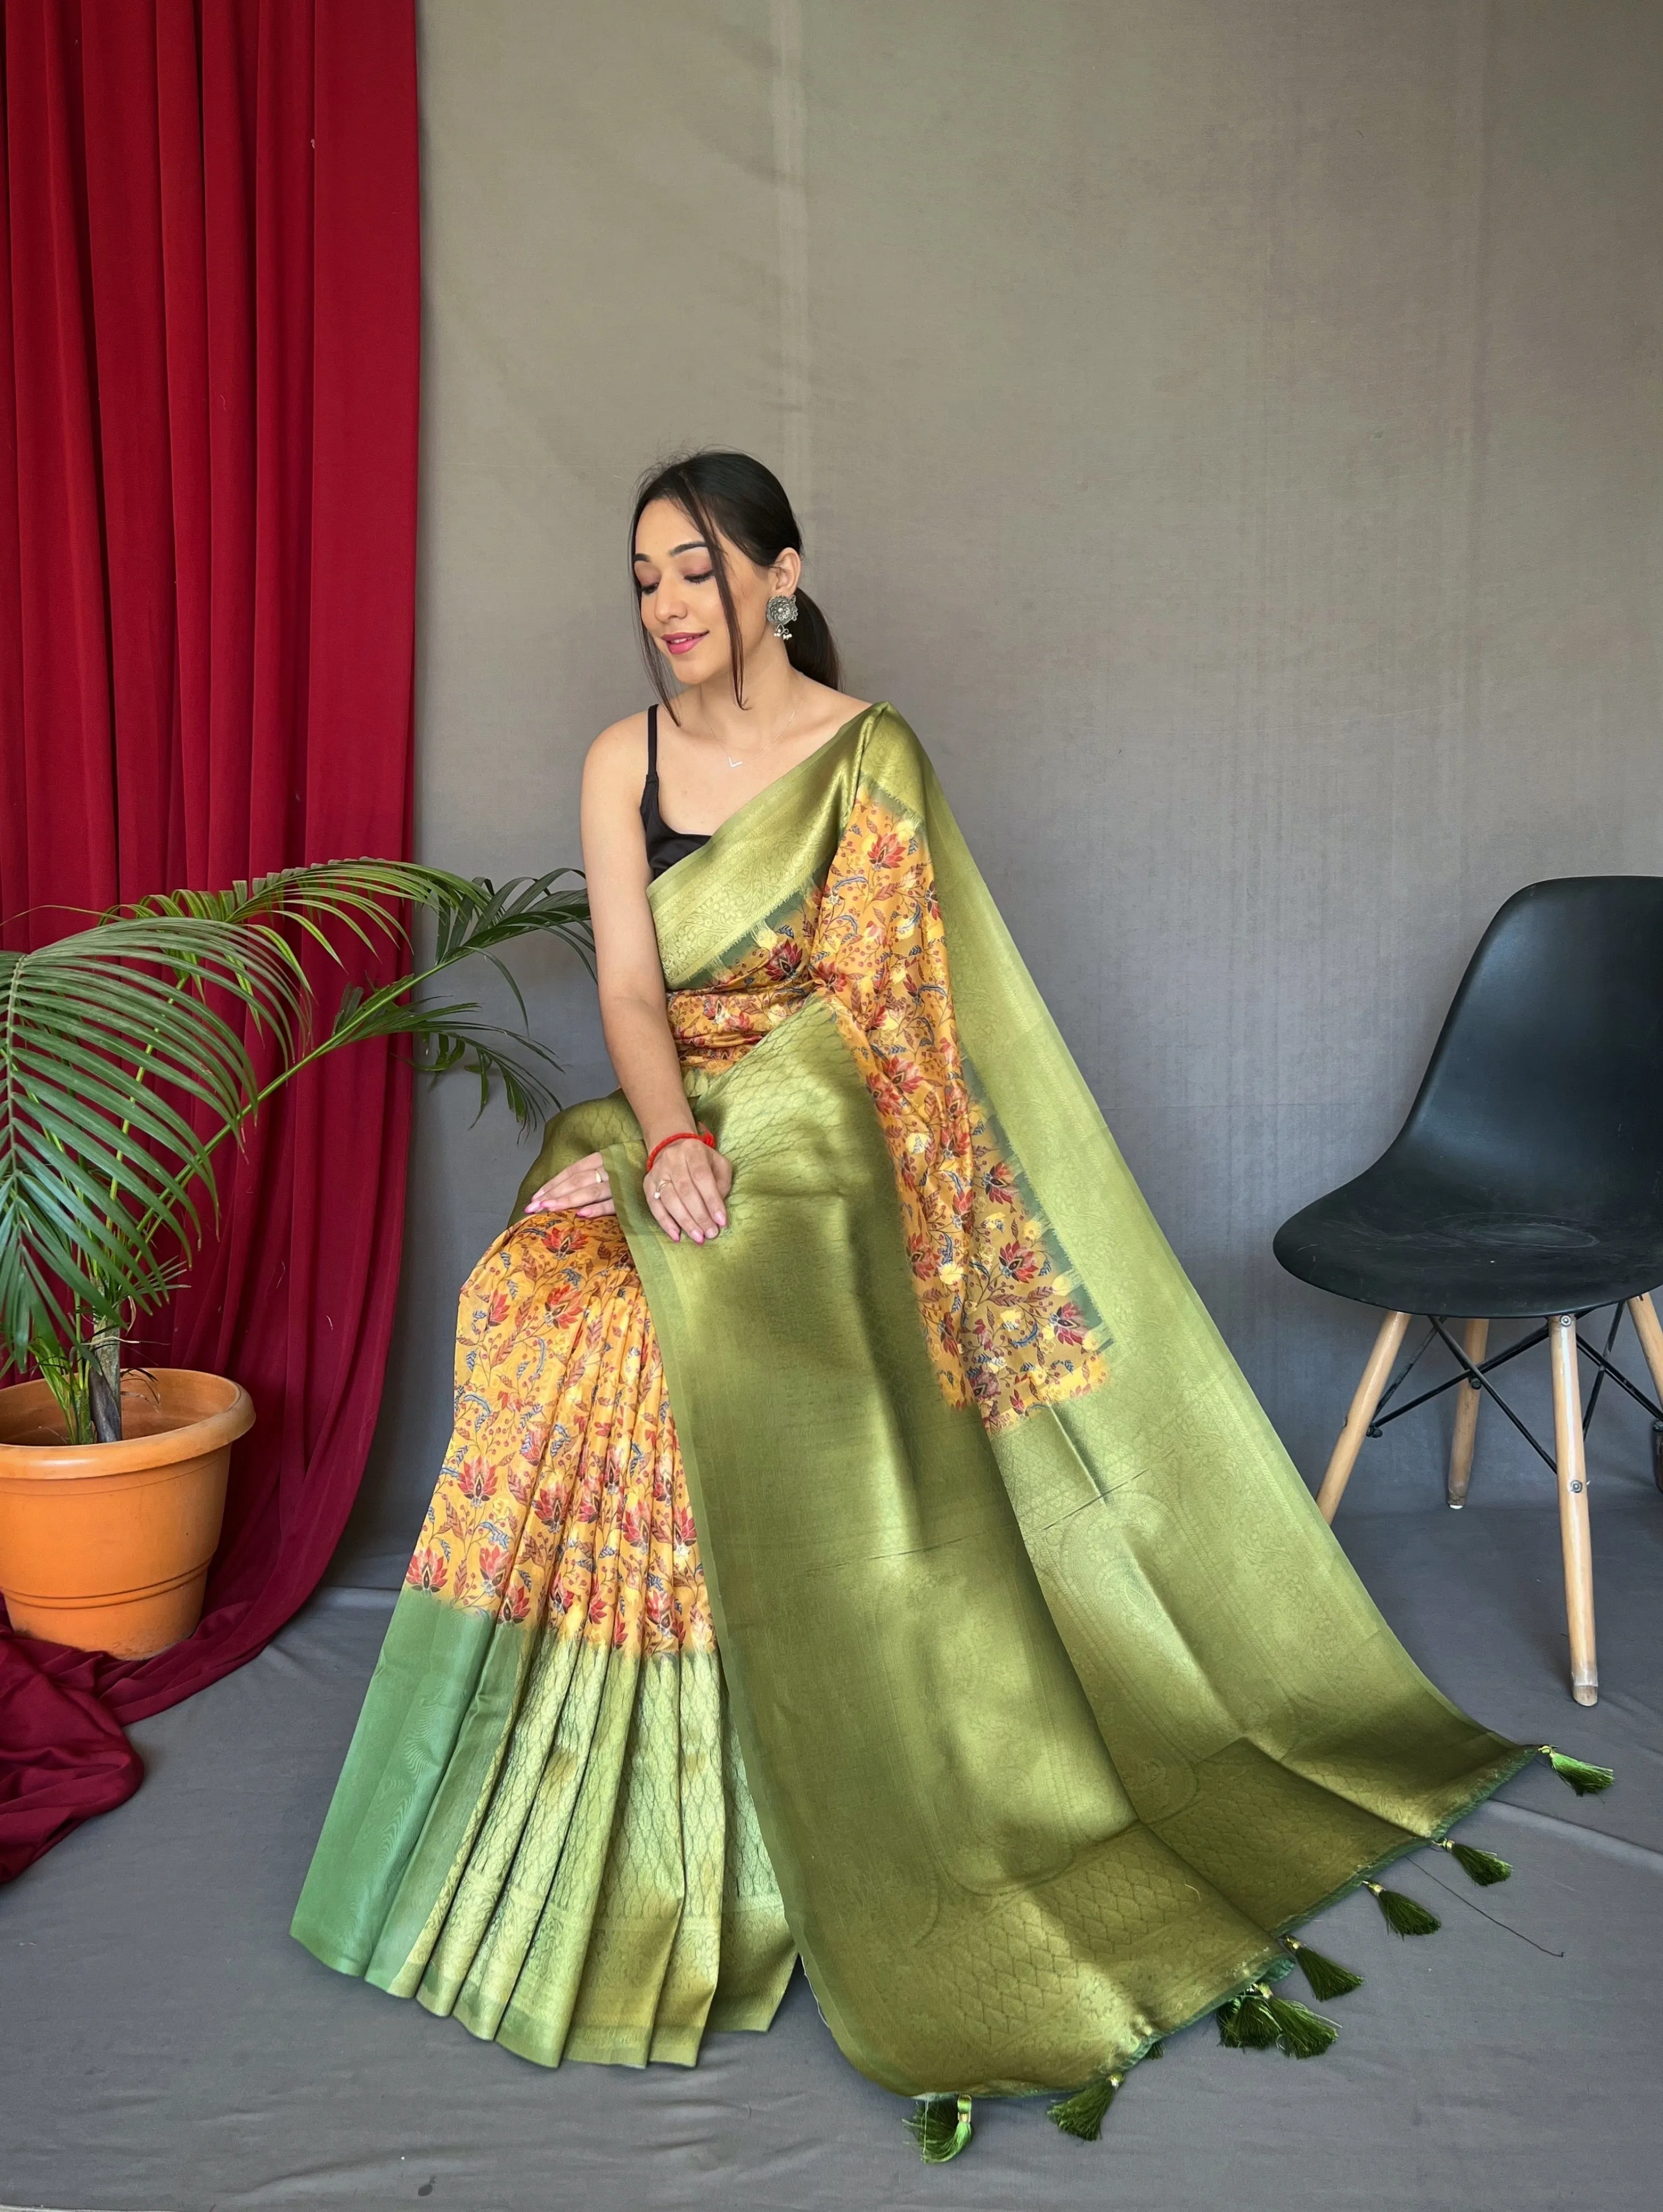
<point x="787" y="571"/>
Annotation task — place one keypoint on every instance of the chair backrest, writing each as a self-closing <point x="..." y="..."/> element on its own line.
<point x="1546" y="1082"/>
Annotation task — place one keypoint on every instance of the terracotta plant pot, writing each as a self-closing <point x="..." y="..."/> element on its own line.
<point x="106" y="1547"/>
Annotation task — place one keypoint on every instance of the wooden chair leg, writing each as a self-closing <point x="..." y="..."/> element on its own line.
<point x="1574" y="1507"/>
<point x="1475" y="1342"/>
<point x="1647" y="1328"/>
<point x="1375" y="1376"/>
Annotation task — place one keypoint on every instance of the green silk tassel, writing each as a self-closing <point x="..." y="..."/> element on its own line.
<point x="1587" y="1781"/>
<point x="941" y="2128"/>
<point x="1082" y="2114"/>
<point x="1326" y="1977"/>
<point x="1301" y="2033"/>
<point x="1403" y="1915"/>
<point x="1257" y="2020"/>
<point x="1482" y="1867"/>
<point x="1244" y="2022"/>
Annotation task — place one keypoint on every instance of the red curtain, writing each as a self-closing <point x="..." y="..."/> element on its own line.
<point x="209" y="351"/>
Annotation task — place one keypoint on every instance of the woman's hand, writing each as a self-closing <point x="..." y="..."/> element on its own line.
<point x="686" y="1187"/>
<point x="582" y="1189"/>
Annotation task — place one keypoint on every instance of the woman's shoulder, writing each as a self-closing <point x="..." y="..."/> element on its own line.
<point x="618" y="755"/>
<point x="824" y="712"/>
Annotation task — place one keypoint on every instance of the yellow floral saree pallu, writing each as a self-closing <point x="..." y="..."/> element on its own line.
<point x="967" y="1630"/>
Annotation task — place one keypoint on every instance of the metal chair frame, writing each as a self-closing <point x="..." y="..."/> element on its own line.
<point x="1566" y="1345"/>
<point x="1478" y="1378"/>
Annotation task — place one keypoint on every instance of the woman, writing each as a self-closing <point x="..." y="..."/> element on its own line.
<point x="965" y="1630"/>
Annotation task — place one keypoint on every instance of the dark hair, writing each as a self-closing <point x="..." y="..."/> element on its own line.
<point x="731" y="495"/>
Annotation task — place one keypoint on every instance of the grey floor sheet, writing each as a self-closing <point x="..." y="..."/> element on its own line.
<point x="165" y="2047"/>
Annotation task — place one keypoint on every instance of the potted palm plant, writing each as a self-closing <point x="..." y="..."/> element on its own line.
<point x="131" y="1054"/>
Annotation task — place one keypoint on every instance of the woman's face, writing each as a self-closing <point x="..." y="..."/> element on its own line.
<point x="681" y="605"/>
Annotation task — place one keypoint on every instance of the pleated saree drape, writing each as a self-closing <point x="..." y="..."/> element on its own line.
<point x="1043" y="1695"/>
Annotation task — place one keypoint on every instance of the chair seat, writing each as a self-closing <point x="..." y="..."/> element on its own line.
<point x="1392" y="1240"/>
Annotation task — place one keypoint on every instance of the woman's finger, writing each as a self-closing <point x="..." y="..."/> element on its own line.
<point x="707" y="1193"/>
<point x="673" y="1194"/>
<point x="691" y="1185"/>
<point x="583" y="1183"/>
<point x="694" y="1220"/>
<point x="687" y="1197"/>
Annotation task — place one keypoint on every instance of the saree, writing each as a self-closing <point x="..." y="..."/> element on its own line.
<point x="963" y="1629"/>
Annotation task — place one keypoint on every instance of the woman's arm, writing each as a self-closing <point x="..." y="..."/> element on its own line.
<point x="632" y="986"/>
<point x="689" y="1182"/>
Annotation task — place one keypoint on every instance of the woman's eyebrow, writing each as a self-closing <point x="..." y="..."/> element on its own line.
<point x="693" y="545"/>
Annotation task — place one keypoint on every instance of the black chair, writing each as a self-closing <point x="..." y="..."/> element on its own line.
<point x="1525" y="1184"/>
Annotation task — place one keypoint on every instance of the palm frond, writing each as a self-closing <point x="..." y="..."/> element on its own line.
<point x="192" y="952"/>
<point x="473" y="913"/>
<point x="125" y="1058"/>
<point x="475" y="916"/>
<point x="479" y="916"/>
<point x="447" y="1038"/>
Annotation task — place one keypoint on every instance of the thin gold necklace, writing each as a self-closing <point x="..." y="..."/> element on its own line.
<point x="778" y="734"/>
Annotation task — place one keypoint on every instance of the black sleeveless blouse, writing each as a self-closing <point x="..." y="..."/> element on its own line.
<point x="664" y="846"/>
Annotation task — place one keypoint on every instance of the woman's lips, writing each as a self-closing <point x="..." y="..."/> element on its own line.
<point x="684" y="640"/>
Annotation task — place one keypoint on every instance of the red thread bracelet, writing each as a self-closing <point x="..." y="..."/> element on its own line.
<point x="702" y="1136"/>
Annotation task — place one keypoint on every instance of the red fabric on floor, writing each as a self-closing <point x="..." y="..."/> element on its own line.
<point x="209" y="359"/>
<point x="63" y="1754"/>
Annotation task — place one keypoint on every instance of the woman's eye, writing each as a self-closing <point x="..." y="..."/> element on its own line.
<point x="642" y="587"/>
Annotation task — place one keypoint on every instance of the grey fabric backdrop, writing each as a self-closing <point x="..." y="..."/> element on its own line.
<point x="1229" y="429"/>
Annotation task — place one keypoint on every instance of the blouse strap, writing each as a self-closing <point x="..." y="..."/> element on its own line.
<point x="652" y="744"/>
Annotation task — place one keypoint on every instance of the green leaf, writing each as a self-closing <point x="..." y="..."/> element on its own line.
<point x="125" y="1060"/>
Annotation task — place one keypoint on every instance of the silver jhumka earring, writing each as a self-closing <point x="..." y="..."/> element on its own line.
<point x="782" y="613"/>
